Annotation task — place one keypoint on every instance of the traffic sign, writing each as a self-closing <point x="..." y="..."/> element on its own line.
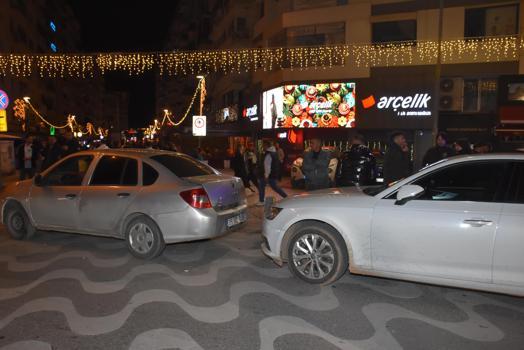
<point x="3" y="120"/>
<point x="199" y="125"/>
<point x="4" y="100"/>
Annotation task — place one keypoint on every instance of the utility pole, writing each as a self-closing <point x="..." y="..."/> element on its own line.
<point x="438" y="73"/>
<point x="203" y="93"/>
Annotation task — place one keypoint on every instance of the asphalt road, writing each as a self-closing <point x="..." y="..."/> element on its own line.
<point x="62" y="291"/>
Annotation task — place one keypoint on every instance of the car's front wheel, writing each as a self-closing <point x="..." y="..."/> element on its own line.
<point x="317" y="254"/>
<point x="17" y="222"/>
<point x="144" y="238"/>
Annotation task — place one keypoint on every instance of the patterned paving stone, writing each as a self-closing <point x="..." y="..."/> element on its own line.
<point x="63" y="291"/>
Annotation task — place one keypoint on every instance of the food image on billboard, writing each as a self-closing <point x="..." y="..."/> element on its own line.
<point x="310" y="106"/>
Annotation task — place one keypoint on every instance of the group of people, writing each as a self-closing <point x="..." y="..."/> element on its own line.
<point x="260" y="170"/>
<point x="357" y="165"/>
<point x="36" y="154"/>
<point x="397" y="160"/>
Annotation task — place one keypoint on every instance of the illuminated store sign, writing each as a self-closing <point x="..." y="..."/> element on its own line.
<point x="326" y="105"/>
<point x="251" y="113"/>
<point x="409" y="106"/>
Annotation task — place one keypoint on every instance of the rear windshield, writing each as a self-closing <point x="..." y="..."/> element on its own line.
<point x="183" y="166"/>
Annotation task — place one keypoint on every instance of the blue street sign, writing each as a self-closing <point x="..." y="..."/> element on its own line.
<point x="4" y="100"/>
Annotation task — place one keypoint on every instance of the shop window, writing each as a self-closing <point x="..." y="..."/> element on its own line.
<point x="480" y="95"/>
<point x="491" y="21"/>
<point x="383" y="32"/>
<point x="315" y="35"/>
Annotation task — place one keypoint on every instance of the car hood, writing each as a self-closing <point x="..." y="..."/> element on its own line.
<point x="334" y="197"/>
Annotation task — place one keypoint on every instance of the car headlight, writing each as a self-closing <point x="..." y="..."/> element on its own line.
<point x="273" y="212"/>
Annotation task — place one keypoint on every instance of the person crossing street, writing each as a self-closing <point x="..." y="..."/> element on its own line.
<point x="269" y="171"/>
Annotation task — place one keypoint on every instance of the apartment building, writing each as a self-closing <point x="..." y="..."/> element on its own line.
<point x="189" y="31"/>
<point x="47" y="26"/>
<point x="469" y="91"/>
<point x="474" y="96"/>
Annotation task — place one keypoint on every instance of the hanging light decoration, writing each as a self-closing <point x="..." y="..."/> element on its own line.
<point x="235" y="61"/>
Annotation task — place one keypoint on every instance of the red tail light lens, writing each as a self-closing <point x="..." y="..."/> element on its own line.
<point x="197" y="198"/>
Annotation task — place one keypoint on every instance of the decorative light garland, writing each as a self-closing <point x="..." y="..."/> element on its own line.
<point x="20" y="114"/>
<point x="490" y="49"/>
<point x="201" y="87"/>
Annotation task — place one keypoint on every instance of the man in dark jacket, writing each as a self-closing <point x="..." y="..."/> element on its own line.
<point x="26" y="156"/>
<point x="316" y="167"/>
<point x="397" y="162"/>
<point x="440" y="151"/>
<point x="269" y="170"/>
<point x="357" y="166"/>
<point x="52" y="152"/>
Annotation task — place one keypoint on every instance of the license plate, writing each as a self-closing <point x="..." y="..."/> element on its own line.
<point x="236" y="220"/>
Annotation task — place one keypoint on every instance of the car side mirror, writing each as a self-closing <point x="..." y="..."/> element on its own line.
<point x="38" y="180"/>
<point x="407" y="193"/>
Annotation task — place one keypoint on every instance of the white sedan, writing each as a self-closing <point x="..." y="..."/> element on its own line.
<point x="459" y="222"/>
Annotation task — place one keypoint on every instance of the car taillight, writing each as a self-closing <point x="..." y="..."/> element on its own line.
<point x="197" y="198"/>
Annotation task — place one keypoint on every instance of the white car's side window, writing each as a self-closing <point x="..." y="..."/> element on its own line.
<point x="515" y="192"/>
<point x="471" y="181"/>
<point x="70" y="172"/>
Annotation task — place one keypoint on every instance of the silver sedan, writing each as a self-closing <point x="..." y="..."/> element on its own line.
<point x="149" y="198"/>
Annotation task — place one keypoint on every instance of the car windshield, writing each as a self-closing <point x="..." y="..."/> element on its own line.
<point x="183" y="166"/>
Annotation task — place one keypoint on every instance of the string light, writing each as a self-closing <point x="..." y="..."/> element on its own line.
<point x="151" y="130"/>
<point x="485" y="49"/>
<point x="76" y="128"/>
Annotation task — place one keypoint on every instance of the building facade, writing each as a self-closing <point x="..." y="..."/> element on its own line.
<point x="47" y="27"/>
<point x="471" y="96"/>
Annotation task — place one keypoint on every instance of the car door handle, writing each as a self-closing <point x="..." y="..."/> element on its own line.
<point x="123" y="195"/>
<point x="70" y="196"/>
<point x="478" y="222"/>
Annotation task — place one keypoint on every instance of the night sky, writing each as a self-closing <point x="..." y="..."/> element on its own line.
<point x="126" y="26"/>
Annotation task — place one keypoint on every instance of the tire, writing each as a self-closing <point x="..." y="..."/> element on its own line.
<point x="323" y="259"/>
<point x="18" y="224"/>
<point x="144" y="239"/>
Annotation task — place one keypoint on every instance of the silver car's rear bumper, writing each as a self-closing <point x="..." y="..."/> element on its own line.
<point x="197" y="223"/>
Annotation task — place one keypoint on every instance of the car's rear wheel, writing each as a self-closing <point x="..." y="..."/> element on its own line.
<point x="17" y="222"/>
<point x="317" y="254"/>
<point x="144" y="239"/>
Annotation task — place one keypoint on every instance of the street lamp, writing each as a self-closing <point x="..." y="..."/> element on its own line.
<point x="26" y="99"/>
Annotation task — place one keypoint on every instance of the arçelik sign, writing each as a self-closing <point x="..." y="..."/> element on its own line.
<point x="409" y="106"/>
<point x="251" y="113"/>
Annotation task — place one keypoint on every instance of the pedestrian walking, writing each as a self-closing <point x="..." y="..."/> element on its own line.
<point x="316" y="167"/>
<point x="250" y="157"/>
<point x="281" y="157"/>
<point x="26" y="157"/>
<point x="239" y="166"/>
<point x="269" y="171"/>
<point x="440" y="151"/>
<point x="397" y="162"/>
<point x="52" y="152"/>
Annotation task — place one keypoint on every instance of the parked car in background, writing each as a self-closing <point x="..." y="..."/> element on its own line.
<point x="457" y="222"/>
<point x="150" y="198"/>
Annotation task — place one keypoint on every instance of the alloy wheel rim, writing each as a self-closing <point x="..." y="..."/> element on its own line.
<point x="313" y="256"/>
<point x="141" y="238"/>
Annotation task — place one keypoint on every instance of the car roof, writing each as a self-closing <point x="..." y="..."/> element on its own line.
<point x="487" y="156"/>
<point x="135" y="152"/>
